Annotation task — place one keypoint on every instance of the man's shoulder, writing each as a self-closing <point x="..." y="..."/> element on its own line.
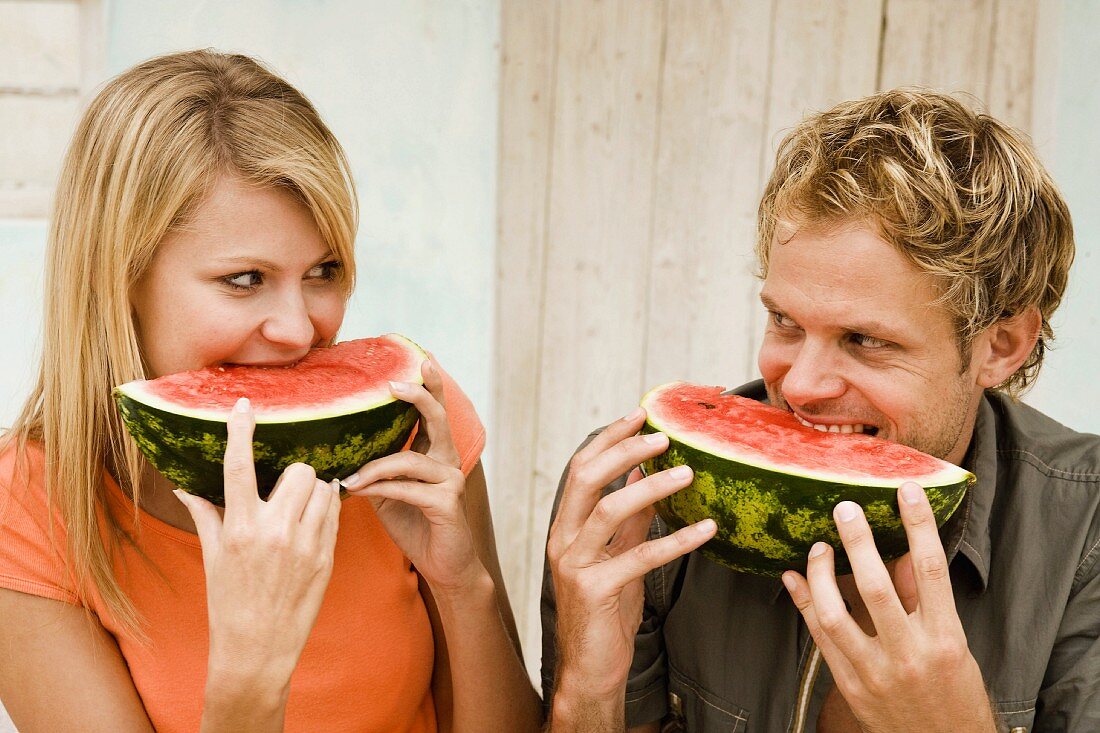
<point x="1028" y="436"/>
<point x="1049" y="479"/>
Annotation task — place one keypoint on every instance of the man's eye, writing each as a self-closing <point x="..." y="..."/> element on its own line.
<point x="781" y="320"/>
<point x="244" y="280"/>
<point x="868" y="342"/>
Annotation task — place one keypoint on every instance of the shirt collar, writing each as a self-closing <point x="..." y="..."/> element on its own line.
<point x="967" y="532"/>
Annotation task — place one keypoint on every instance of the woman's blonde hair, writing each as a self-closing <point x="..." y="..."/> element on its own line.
<point x="961" y="195"/>
<point x="147" y="150"/>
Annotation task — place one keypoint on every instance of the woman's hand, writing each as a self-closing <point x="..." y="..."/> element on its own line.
<point x="267" y="566"/>
<point x="419" y="493"/>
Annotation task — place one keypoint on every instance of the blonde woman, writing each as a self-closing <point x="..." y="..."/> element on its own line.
<point x="206" y="215"/>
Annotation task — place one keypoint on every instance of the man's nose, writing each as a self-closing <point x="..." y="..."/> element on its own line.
<point x="814" y="375"/>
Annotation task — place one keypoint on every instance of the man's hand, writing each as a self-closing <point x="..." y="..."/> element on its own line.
<point x="598" y="556"/>
<point x="916" y="672"/>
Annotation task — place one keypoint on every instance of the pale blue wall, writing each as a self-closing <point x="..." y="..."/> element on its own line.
<point x="1069" y="388"/>
<point x="22" y="244"/>
<point x="410" y="89"/>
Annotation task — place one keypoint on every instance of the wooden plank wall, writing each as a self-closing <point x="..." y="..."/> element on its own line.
<point x="54" y="55"/>
<point x="635" y="139"/>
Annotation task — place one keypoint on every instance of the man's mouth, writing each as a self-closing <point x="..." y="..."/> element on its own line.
<point x="838" y="427"/>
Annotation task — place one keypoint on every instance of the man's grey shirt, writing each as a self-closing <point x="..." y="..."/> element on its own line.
<point x="724" y="651"/>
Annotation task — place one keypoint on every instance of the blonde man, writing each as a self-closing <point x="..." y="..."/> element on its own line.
<point x="912" y="253"/>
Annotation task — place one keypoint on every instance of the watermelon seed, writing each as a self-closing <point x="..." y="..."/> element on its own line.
<point x="707" y="405"/>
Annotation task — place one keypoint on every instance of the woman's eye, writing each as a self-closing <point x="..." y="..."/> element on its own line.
<point x="245" y="280"/>
<point x="325" y="270"/>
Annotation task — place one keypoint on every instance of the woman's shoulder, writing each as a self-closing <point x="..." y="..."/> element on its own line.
<point x="32" y="536"/>
<point x="22" y="468"/>
<point x="466" y="427"/>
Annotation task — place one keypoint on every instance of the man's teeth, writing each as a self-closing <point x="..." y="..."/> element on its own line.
<point x="856" y="428"/>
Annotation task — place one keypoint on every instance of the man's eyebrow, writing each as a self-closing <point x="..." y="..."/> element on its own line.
<point x="769" y="303"/>
<point x="868" y="328"/>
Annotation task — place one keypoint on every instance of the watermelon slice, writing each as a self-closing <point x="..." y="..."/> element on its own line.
<point x="770" y="482"/>
<point x="332" y="410"/>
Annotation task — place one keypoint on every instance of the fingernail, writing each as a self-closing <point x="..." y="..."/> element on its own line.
<point x="911" y="493"/>
<point x="680" y="472"/>
<point x="634" y="415"/>
<point x="788" y="580"/>
<point x="351" y="481"/>
<point x="706" y="526"/>
<point x="431" y="367"/>
<point x="655" y="438"/>
<point x="180" y="495"/>
<point x="399" y="387"/>
<point x="243" y="405"/>
<point x="818" y="549"/>
<point x="335" y="484"/>
<point x="846" y="511"/>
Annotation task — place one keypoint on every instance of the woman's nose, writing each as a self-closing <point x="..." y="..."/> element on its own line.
<point x="289" y="323"/>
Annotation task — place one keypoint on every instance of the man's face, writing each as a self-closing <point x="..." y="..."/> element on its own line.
<point x="856" y="343"/>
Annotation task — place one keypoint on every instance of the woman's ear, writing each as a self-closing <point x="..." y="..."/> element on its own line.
<point x="1008" y="343"/>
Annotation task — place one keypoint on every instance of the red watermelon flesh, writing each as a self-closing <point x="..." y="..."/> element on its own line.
<point x="347" y="375"/>
<point x="747" y="430"/>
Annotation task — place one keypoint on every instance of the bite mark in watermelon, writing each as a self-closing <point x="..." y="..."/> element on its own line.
<point x="771" y="483"/>
<point x="332" y="410"/>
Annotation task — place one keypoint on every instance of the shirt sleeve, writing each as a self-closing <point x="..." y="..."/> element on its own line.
<point x="32" y="553"/>
<point x="647" y="683"/>
<point x="1069" y="701"/>
<point x="466" y="427"/>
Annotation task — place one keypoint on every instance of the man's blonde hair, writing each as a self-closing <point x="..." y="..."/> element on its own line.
<point x="961" y="195"/>
<point x="147" y="151"/>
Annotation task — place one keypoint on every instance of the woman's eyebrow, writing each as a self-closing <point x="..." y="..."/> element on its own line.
<point x="268" y="264"/>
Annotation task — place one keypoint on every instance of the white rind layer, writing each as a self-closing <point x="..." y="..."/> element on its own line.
<point x="947" y="475"/>
<point x="366" y="400"/>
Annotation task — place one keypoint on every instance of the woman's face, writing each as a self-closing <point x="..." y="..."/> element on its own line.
<point x="249" y="280"/>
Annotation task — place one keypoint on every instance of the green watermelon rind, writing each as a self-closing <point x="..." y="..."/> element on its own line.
<point x="190" y="452"/>
<point x="768" y="520"/>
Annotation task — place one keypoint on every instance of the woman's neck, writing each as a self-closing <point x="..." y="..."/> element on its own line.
<point x="156" y="497"/>
<point x="158" y="500"/>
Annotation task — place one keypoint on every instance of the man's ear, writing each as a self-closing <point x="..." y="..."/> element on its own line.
<point x="1008" y="343"/>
